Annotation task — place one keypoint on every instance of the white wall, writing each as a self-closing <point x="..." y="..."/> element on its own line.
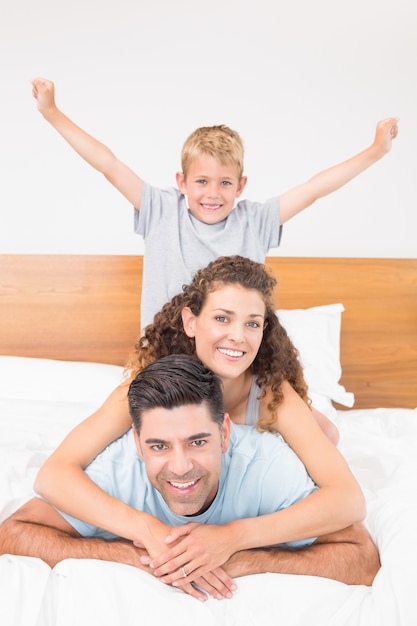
<point x="303" y="82"/>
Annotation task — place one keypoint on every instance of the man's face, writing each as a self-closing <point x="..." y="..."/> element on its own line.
<point x="182" y="449"/>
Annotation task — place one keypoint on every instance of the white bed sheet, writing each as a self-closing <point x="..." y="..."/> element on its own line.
<point x="381" y="448"/>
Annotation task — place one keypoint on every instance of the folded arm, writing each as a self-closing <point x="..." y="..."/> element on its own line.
<point x="38" y="530"/>
<point x="349" y="556"/>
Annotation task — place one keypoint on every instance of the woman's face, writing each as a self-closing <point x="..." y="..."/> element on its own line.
<point x="229" y="329"/>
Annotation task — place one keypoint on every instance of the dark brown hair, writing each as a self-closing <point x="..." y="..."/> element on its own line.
<point x="175" y="381"/>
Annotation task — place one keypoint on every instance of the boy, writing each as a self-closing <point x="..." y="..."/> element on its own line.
<point x="186" y="228"/>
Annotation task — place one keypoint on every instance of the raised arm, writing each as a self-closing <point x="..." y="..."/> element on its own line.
<point x="94" y="152"/>
<point x="329" y="180"/>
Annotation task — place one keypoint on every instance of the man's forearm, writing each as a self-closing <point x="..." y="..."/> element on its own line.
<point x="353" y="562"/>
<point x="52" y="545"/>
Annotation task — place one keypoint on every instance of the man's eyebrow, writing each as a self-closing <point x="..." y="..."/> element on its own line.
<point x="154" y="440"/>
<point x="199" y="436"/>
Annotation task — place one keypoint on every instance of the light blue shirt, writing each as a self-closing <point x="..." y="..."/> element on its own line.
<point x="260" y="474"/>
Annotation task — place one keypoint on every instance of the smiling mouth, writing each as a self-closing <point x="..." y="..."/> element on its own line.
<point x="211" y="207"/>
<point x="191" y="483"/>
<point x="232" y="353"/>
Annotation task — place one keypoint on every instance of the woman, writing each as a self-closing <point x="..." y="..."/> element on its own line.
<point x="225" y="317"/>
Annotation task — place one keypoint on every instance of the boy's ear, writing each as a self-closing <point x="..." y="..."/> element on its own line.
<point x="241" y="186"/>
<point x="180" y="178"/>
<point x="188" y="319"/>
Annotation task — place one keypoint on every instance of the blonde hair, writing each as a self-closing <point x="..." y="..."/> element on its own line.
<point x="220" y="142"/>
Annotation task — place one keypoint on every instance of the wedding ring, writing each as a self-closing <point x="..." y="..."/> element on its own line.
<point x="184" y="573"/>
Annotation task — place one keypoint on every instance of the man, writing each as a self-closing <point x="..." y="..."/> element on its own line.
<point x="216" y="486"/>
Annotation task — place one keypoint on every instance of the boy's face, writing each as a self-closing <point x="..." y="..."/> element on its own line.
<point x="211" y="188"/>
<point x="182" y="450"/>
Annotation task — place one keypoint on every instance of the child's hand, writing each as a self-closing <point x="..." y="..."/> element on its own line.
<point x="386" y="131"/>
<point x="43" y="92"/>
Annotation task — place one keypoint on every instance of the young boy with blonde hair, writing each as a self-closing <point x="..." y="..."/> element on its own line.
<point x="186" y="228"/>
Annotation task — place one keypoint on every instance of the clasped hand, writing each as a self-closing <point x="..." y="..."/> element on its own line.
<point x="195" y="554"/>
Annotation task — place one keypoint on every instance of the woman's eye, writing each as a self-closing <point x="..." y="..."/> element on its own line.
<point x="253" y="324"/>
<point x="221" y="318"/>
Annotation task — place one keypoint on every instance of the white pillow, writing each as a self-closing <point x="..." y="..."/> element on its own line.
<point x="315" y="333"/>
<point x="28" y="378"/>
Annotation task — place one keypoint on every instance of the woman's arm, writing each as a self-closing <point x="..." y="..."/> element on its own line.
<point x="337" y="504"/>
<point x="63" y="482"/>
<point x="301" y="429"/>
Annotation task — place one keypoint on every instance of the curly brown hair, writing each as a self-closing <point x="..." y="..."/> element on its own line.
<point x="277" y="358"/>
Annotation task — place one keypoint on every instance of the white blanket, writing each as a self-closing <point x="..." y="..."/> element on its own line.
<point x="381" y="448"/>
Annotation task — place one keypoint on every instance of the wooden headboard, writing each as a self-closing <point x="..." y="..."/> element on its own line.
<point x="86" y="308"/>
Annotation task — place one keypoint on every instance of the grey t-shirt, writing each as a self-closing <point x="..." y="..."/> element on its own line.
<point x="177" y="244"/>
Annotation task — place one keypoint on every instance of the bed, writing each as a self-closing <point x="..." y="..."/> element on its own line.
<point x="68" y="323"/>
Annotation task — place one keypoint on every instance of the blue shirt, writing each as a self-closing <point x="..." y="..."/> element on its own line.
<point x="260" y="475"/>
